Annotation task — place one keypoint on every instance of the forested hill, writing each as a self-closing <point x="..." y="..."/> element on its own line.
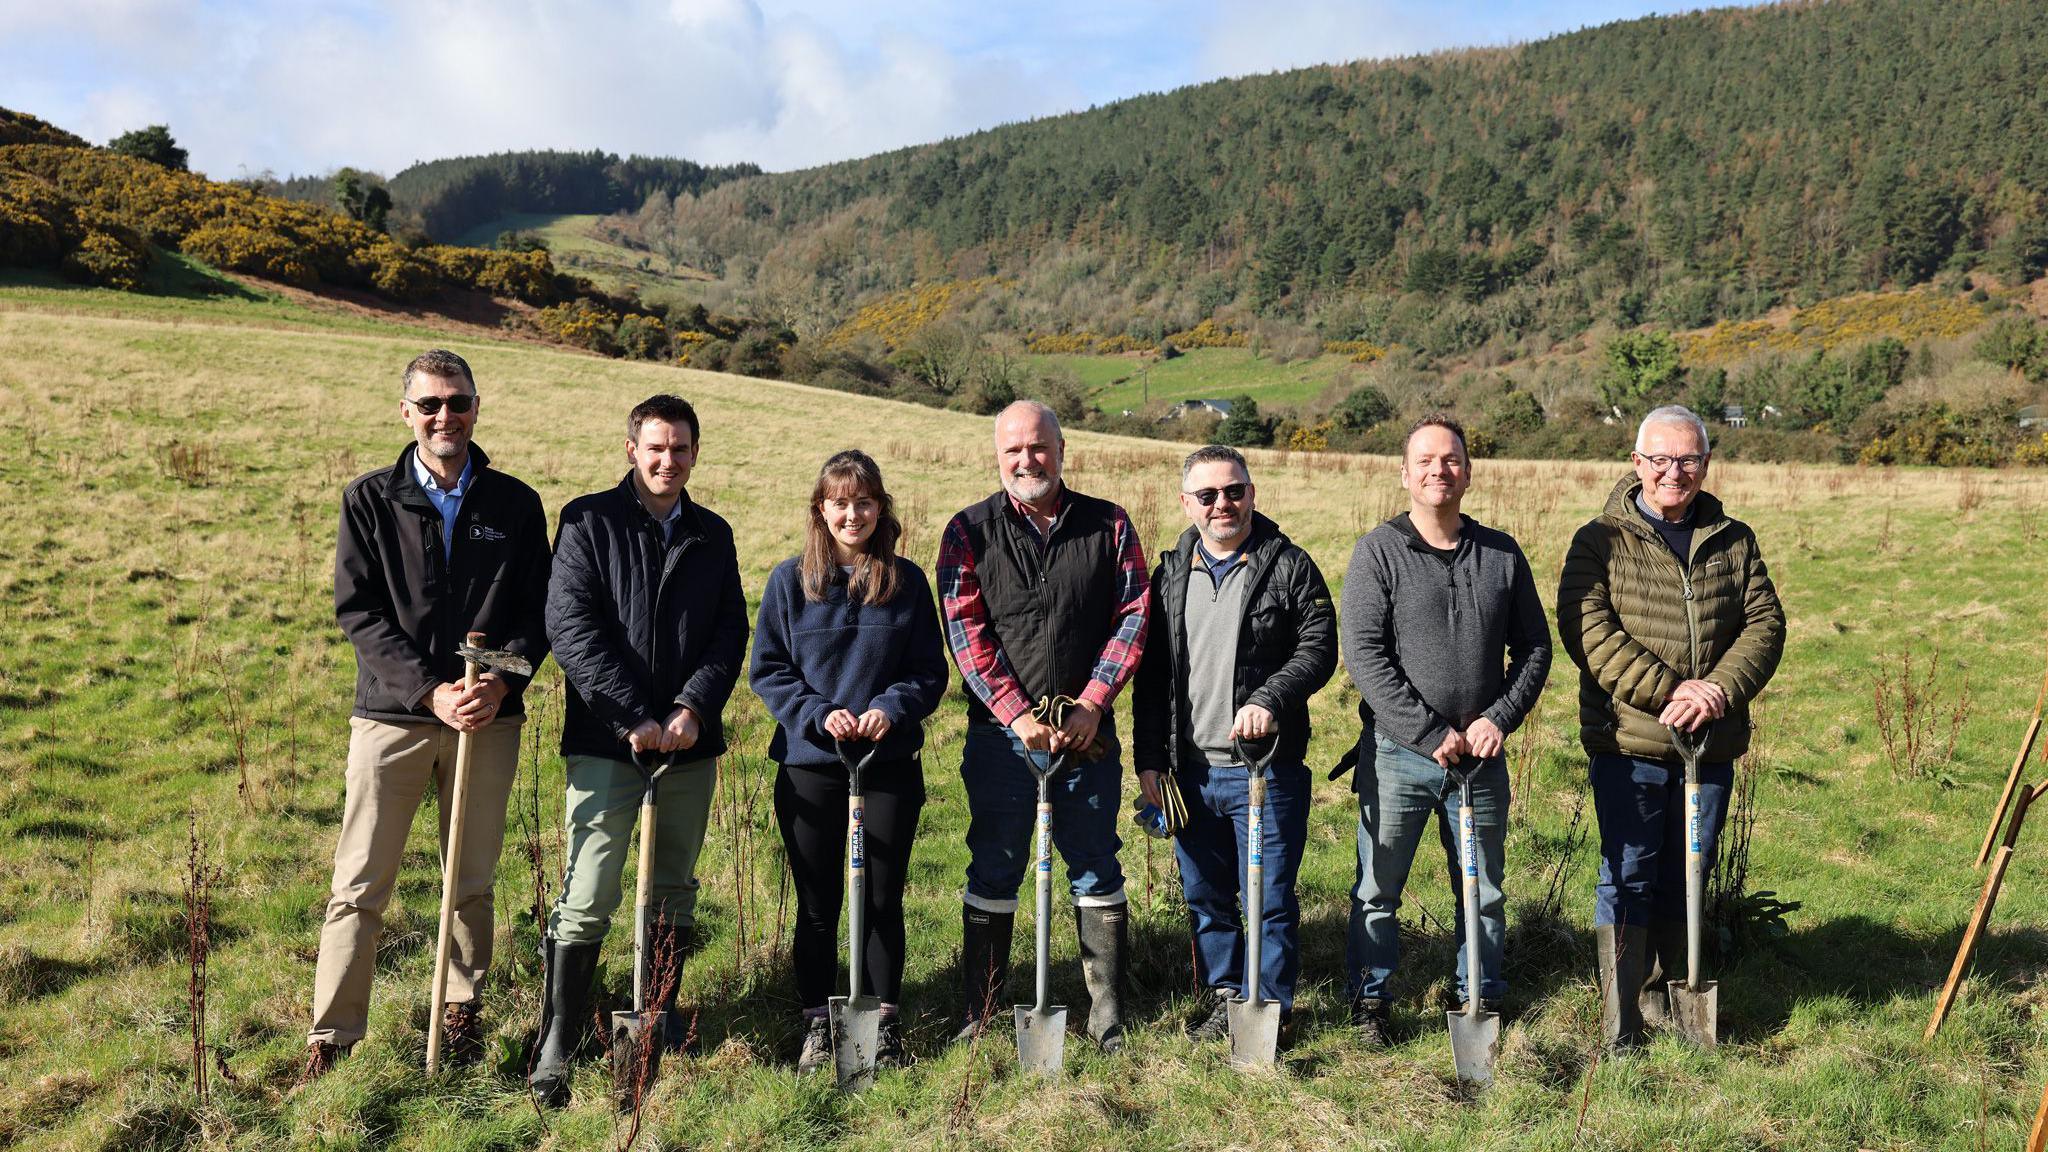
<point x="448" y="197"/>
<point x="1677" y="170"/>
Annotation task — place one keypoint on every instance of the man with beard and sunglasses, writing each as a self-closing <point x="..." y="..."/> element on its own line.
<point x="1446" y="639"/>
<point x="649" y="624"/>
<point x="434" y="547"/>
<point x="1045" y="600"/>
<point x="1244" y="634"/>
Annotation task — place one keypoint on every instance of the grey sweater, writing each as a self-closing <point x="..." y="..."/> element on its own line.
<point x="1434" y="645"/>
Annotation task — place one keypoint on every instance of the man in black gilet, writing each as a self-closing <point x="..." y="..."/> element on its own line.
<point x="1045" y="596"/>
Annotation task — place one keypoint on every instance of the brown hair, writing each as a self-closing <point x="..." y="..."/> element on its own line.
<point x="1437" y="420"/>
<point x="873" y="581"/>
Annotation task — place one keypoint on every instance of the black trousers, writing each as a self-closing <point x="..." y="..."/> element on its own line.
<point x="810" y="809"/>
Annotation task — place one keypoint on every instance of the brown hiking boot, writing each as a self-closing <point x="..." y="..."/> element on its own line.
<point x="462" y="1033"/>
<point x="321" y="1057"/>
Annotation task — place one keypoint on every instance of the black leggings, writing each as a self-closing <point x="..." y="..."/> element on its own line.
<point x="810" y="808"/>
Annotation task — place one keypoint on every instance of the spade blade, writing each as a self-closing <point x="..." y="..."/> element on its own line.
<point x="1475" y="1039"/>
<point x="1254" y="1032"/>
<point x="856" y="1030"/>
<point x="1042" y="1040"/>
<point x="1695" y="1011"/>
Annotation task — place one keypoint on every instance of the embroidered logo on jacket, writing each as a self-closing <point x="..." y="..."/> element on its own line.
<point x="484" y="532"/>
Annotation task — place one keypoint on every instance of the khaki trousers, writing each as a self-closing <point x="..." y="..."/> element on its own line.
<point x="603" y="805"/>
<point x="390" y="767"/>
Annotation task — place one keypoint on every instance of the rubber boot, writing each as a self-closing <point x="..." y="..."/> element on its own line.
<point x="1667" y="963"/>
<point x="1105" y="935"/>
<point x="1624" y="954"/>
<point x="669" y="946"/>
<point x="570" y="970"/>
<point x="984" y="966"/>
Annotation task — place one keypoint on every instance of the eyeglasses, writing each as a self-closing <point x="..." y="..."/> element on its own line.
<point x="1231" y="492"/>
<point x="459" y="403"/>
<point x="1688" y="464"/>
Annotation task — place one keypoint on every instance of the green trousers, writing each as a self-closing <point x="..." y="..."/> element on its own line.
<point x="603" y="808"/>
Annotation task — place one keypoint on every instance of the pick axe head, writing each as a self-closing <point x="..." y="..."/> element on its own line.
<point x="494" y="659"/>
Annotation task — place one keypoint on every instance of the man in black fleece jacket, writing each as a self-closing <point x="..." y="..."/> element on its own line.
<point x="1449" y="646"/>
<point x="436" y="546"/>
<point x="649" y="624"/>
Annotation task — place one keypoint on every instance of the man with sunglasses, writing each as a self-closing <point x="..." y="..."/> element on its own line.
<point x="1667" y="609"/>
<point x="1046" y="602"/>
<point x="438" y="545"/>
<point x="1445" y="637"/>
<point x="1244" y="633"/>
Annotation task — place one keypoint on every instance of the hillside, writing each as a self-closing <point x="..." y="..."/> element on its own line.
<point x="1677" y="171"/>
<point x="175" y="678"/>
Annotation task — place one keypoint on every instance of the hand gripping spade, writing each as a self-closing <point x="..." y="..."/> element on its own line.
<point x="1475" y="1033"/>
<point x="1254" y="1021"/>
<point x="631" y="1030"/>
<point x="1695" y="1003"/>
<point x="856" y="1019"/>
<point x="475" y="659"/>
<point x="1041" y="1026"/>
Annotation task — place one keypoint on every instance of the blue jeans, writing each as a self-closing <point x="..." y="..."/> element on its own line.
<point x="1002" y="808"/>
<point x="1641" y="808"/>
<point x="1212" y="860"/>
<point x="1397" y="790"/>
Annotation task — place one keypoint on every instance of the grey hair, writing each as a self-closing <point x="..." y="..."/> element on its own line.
<point x="1043" y="411"/>
<point x="439" y="363"/>
<point x="1677" y="414"/>
<point x="1214" y="454"/>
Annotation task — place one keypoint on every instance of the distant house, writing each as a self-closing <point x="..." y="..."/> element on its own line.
<point x="2031" y="417"/>
<point x="1190" y="407"/>
<point x="1731" y="415"/>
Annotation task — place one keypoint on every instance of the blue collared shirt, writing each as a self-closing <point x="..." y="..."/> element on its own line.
<point x="448" y="502"/>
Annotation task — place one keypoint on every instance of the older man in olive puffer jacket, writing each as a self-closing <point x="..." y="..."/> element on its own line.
<point x="1667" y="609"/>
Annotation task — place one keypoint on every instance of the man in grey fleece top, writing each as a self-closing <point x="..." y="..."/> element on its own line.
<point x="1449" y="647"/>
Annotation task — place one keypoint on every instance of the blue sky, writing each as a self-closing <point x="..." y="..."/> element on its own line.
<point x="305" y="88"/>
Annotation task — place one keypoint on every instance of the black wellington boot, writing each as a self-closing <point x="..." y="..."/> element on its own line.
<point x="1624" y="956"/>
<point x="564" y="1016"/>
<point x="1105" y="935"/>
<point x="984" y="967"/>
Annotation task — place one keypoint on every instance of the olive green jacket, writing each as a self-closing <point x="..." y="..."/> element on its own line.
<point x="1637" y="624"/>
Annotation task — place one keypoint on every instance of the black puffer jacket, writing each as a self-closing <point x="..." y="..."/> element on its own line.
<point x="406" y="607"/>
<point x="640" y="627"/>
<point x="1286" y="649"/>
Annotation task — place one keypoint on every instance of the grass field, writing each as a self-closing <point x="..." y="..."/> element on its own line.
<point x="577" y="250"/>
<point x="1118" y="382"/>
<point x="171" y="471"/>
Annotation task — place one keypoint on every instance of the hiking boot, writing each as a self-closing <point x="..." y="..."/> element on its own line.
<point x="1373" y="1018"/>
<point x="1211" y="1017"/>
<point x="889" y="1045"/>
<point x="984" y="967"/>
<point x="1623" y="954"/>
<point x="817" y="1050"/>
<point x="1486" y="1004"/>
<point x="1105" y="935"/>
<point x="321" y="1057"/>
<point x="568" y="972"/>
<point x="462" y="1033"/>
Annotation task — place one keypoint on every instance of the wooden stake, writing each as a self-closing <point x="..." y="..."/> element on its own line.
<point x="2012" y="779"/>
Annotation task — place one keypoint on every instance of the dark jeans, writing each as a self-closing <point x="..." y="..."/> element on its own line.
<point x="1212" y="861"/>
<point x="1398" y="789"/>
<point x="1641" y="808"/>
<point x="810" y="808"/>
<point x="1002" y="809"/>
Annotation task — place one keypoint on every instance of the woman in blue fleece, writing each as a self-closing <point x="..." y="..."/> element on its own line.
<point x="848" y="648"/>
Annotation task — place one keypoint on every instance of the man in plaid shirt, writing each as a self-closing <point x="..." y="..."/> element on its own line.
<point x="1045" y="596"/>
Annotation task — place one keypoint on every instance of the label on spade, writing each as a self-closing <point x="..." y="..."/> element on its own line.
<point x="1468" y="830"/>
<point x="1693" y="823"/>
<point x="1255" y="841"/>
<point x="857" y="852"/>
<point x="1045" y="841"/>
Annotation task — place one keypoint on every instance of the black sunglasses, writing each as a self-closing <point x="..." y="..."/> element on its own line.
<point x="459" y="403"/>
<point x="1231" y="492"/>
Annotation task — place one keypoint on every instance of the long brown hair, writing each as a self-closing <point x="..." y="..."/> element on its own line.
<point x="873" y="581"/>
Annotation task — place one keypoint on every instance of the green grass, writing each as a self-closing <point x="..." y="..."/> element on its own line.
<point x="578" y="250"/>
<point x="171" y="471"/>
<point x="1118" y="382"/>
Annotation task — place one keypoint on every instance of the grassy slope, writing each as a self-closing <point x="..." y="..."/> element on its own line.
<point x="1115" y="382"/>
<point x="576" y="249"/>
<point x="139" y="611"/>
